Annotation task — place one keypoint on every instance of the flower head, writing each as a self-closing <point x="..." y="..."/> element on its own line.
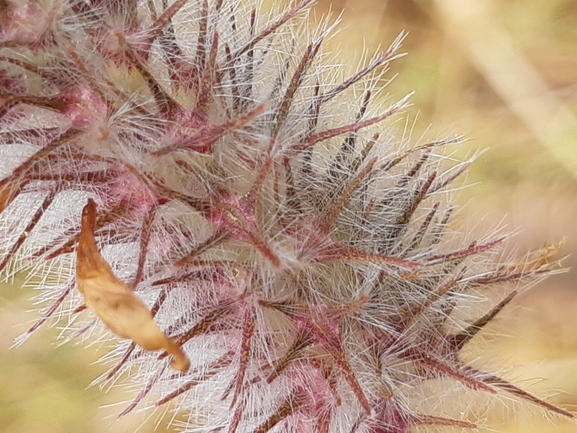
<point x="194" y="174"/>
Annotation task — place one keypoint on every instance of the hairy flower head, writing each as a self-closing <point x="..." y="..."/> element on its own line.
<point x="196" y="175"/>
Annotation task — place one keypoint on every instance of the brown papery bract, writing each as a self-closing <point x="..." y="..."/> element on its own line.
<point x="114" y="302"/>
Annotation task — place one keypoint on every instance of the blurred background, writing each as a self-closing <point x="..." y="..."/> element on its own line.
<point x="501" y="72"/>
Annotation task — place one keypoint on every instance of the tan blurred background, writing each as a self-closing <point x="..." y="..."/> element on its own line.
<point x="501" y="72"/>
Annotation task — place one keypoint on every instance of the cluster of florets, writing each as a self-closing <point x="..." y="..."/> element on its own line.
<point x="227" y="207"/>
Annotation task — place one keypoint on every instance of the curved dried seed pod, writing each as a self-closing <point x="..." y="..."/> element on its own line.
<point x="114" y="303"/>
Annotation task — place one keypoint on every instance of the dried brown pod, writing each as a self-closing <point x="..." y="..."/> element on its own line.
<point x="114" y="302"/>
